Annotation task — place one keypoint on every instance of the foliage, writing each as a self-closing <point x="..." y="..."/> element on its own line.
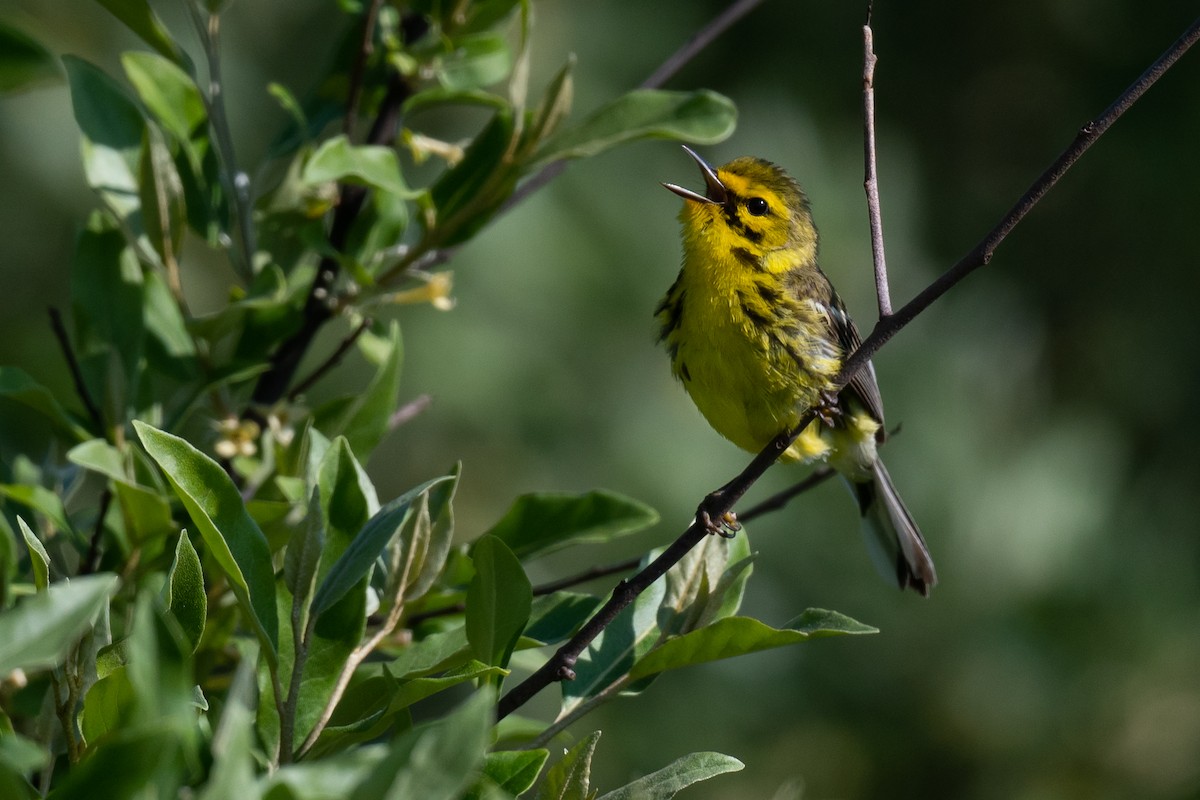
<point x="207" y="591"/>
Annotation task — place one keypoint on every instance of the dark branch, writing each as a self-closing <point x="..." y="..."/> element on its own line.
<point x="354" y="93"/>
<point x="330" y="362"/>
<point x="91" y="562"/>
<point x="81" y="389"/>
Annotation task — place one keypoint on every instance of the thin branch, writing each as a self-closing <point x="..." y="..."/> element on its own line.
<point x="354" y="94"/>
<point x="700" y="40"/>
<point x="331" y="362"/>
<point x="781" y="499"/>
<point x="718" y="504"/>
<point x="982" y="253"/>
<point x="236" y="184"/>
<point x="871" y="177"/>
<point x="91" y="562"/>
<point x="81" y="389"/>
<point x="587" y="575"/>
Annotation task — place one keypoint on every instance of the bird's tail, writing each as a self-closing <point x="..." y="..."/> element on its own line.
<point x="893" y="539"/>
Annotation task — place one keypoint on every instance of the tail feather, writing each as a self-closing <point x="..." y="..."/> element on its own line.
<point x="893" y="539"/>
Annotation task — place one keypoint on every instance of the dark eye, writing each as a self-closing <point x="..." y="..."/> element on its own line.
<point x="757" y="206"/>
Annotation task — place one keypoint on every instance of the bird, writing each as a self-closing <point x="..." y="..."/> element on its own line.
<point x="757" y="335"/>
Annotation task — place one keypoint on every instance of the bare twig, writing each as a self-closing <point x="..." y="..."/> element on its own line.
<point x="409" y="411"/>
<point x="81" y="389"/>
<point x="235" y="183"/>
<point x="716" y="505"/>
<point x="330" y="362"/>
<point x="871" y="177"/>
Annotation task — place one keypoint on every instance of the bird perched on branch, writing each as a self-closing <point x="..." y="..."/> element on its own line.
<point x="757" y="335"/>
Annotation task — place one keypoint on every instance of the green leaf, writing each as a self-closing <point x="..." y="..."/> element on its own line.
<point x="571" y="776"/>
<point x="367" y="165"/>
<point x="332" y="778"/>
<point x="42" y="500"/>
<point x="478" y="60"/>
<point x="699" y="117"/>
<point x="100" y="457"/>
<point x="184" y="591"/>
<point x="16" y="386"/>
<point x="437" y="761"/>
<point x="359" y="557"/>
<point x="611" y="655"/>
<point x="417" y="689"/>
<point x="736" y="636"/>
<point x="39" y="559"/>
<point x="38" y="631"/>
<point x="434" y="653"/>
<point x="467" y="195"/>
<point x="678" y="775"/>
<point x="139" y="17"/>
<point x="554" y="617"/>
<point x="168" y="92"/>
<point x="24" y="62"/>
<point x="498" y="602"/>
<point x="440" y="537"/>
<point x="545" y="522"/>
<point x="106" y="706"/>
<point x="515" y="771"/>
<point x="231" y="535"/>
<point x="112" y="128"/>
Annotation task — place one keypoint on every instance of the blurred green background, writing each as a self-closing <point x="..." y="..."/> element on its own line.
<point x="1048" y="447"/>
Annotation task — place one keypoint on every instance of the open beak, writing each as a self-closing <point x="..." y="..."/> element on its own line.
<point x="714" y="190"/>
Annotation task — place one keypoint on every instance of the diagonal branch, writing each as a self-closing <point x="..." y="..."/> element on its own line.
<point x="81" y="388"/>
<point x="717" y="504"/>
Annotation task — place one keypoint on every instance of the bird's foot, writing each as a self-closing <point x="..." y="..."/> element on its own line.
<point x="724" y="524"/>
<point x="827" y="409"/>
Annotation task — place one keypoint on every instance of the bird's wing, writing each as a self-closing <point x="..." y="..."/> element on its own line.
<point x="864" y="384"/>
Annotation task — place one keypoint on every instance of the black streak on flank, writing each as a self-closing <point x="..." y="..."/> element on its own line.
<point x="683" y="370"/>
<point x="746" y="258"/>
<point x="769" y="295"/>
<point x="755" y="317"/>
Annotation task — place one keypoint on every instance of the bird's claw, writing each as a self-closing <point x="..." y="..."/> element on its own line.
<point x="726" y="526"/>
<point x="827" y="409"/>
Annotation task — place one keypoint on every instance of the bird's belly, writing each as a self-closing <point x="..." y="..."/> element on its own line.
<point x="748" y="390"/>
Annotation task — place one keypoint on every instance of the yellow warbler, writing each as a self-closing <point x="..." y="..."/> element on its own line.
<point x="757" y="335"/>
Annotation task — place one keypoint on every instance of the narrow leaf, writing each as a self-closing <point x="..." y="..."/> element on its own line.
<point x="358" y="558"/>
<point x="736" y="636"/>
<point x="515" y="771"/>
<point x="232" y="536"/>
<point x="679" y="774"/>
<point x="139" y="17"/>
<point x="368" y="165"/>
<point x="545" y="522"/>
<point x="184" y="590"/>
<point x="498" y="602"/>
<point x="24" y="62"/>
<point x="700" y="117"/>
<point x="39" y="559"/>
<point x="571" y="776"/>
<point x="303" y="553"/>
